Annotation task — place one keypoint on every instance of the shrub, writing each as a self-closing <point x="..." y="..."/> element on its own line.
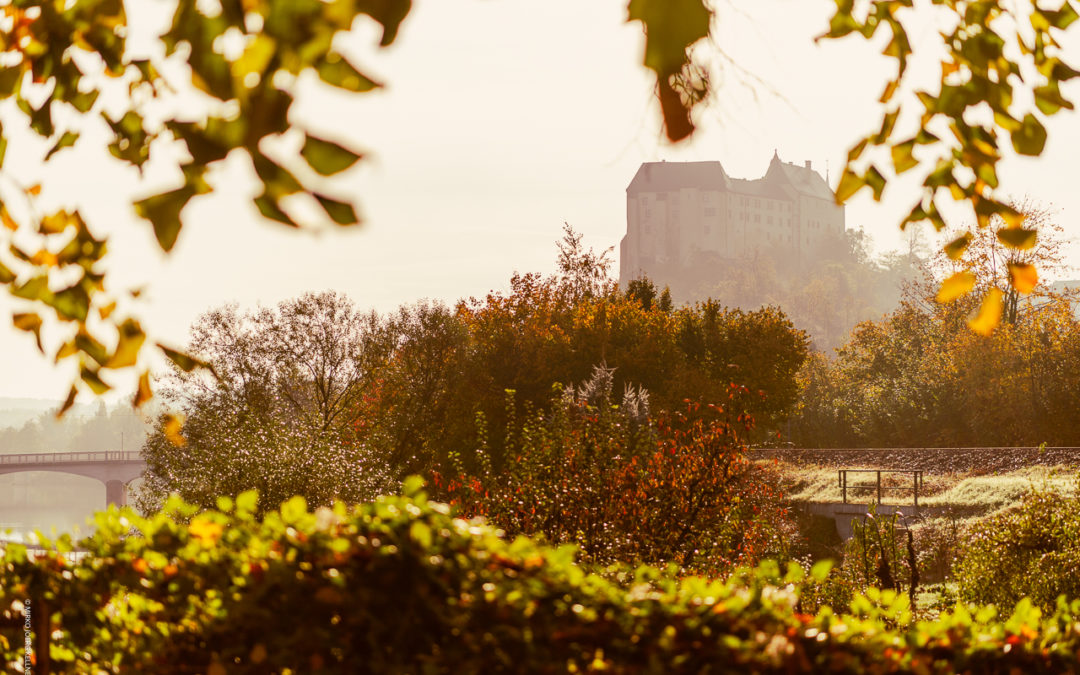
<point x="400" y="585"/>
<point x="623" y="487"/>
<point x="1031" y="550"/>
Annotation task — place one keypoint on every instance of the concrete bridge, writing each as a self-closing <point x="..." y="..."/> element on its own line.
<point x="113" y="468"/>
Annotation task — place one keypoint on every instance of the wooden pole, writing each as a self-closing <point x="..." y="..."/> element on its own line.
<point x="878" y="487"/>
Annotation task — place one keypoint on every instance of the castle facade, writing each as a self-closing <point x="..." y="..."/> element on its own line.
<point x="676" y="210"/>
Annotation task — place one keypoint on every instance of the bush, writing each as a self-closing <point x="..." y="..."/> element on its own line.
<point x="1031" y="550"/>
<point x="625" y="487"/>
<point x="400" y="585"/>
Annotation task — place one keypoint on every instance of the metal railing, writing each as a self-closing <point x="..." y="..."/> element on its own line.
<point x="916" y="480"/>
<point x="27" y="458"/>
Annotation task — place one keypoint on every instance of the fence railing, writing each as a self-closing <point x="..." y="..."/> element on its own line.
<point x="876" y="487"/>
<point x="70" y="457"/>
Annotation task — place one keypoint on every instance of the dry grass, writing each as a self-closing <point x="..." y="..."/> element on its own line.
<point x="968" y="491"/>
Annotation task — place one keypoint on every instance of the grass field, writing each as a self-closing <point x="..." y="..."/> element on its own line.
<point x="971" y="491"/>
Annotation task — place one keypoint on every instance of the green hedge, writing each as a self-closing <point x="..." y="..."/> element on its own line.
<point x="1031" y="549"/>
<point x="402" y="586"/>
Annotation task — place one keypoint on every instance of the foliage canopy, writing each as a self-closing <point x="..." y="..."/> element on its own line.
<point x="60" y="59"/>
<point x="402" y="585"/>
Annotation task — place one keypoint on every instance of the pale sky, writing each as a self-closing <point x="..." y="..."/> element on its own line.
<point x="501" y="119"/>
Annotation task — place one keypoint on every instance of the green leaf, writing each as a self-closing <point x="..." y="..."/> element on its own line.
<point x="389" y="13"/>
<point x="903" y="157"/>
<point x="66" y="141"/>
<point x="1030" y="138"/>
<point x="163" y="212"/>
<point x="72" y="303"/>
<point x="876" y="182"/>
<point x="84" y="101"/>
<point x="10" y="78"/>
<point x="340" y="212"/>
<point x="183" y="361"/>
<point x="94" y="381"/>
<point x="1049" y="99"/>
<point x="269" y="207"/>
<point x="247" y="501"/>
<point x="1061" y="18"/>
<point x="412" y="485"/>
<point x="335" y="70"/>
<point x="293" y="509"/>
<point x="671" y="27"/>
<point x="91" y="347"/>
<point x="1017" y="237"/>
<point x="820" y="571"/>
<point x="327" y="157"/>
<point x="850" y="183"/>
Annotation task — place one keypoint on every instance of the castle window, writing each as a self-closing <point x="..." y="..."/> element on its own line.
<point x="710" y="211"/>
<point x="706" y="229"/>
<point x="769" y="220"/>
<point x="662" y="197"/>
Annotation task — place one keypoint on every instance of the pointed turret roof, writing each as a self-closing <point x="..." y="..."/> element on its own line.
<point x="802" y="179"/>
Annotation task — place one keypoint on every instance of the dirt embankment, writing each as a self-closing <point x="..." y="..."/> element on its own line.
<point x="934" y="460"/>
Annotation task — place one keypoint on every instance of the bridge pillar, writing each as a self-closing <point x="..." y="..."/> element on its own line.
<point x="115" y="493"/>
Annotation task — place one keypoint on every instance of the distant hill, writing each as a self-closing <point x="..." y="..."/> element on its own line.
<point x="15" y="412"/>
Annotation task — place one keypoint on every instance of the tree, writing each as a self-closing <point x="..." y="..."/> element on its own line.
<point x="242" y="61"/>
<point x="280" y="415"/>
<point x="1000" y="74"/>
<point x="1006" y="275"/>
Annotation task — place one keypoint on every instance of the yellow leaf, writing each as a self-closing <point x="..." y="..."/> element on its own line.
<point x="206" y="531"/>
<point x="957" y="285"/>
<point x="216" y="669"/>
<point x="955" y="248"/>
<point x="5" y="217"/>
<point x="172" y="430"/>
<point x="144" y="393"/>
<point x="989" y="315"/>
<point x="1024" y="277"/>
<point x="34" y="189"/>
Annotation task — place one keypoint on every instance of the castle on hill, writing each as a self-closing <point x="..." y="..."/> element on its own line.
<point x="676" y="211"/>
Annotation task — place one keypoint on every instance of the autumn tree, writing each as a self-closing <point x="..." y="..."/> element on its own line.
<point x="279" y="415"/>
<point x="1004" y="264"/>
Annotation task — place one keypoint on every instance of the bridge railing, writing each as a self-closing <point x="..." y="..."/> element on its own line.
<point x="877" y="486"/>
<point x="70" y="457"/>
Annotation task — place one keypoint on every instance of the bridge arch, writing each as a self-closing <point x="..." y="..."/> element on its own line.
<point x="113" y="468"/>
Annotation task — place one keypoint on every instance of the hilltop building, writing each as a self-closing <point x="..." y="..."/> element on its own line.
<point x="677" y="210"/>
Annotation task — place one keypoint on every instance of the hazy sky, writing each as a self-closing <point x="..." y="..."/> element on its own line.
<point x="501" y="120"/>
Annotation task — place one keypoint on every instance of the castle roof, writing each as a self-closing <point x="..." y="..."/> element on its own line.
<point x="781" y="181"/>
<point x="801" y="179"/>
<point x="669" y="176"/>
